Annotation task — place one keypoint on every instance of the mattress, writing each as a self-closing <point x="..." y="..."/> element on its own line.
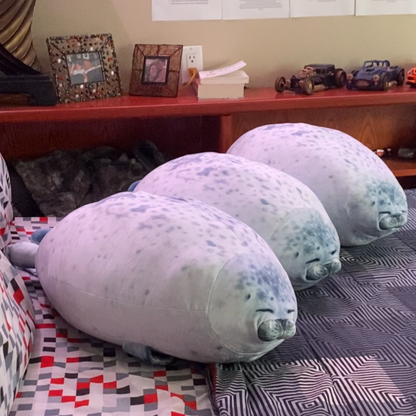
<point x="71" y="373"/>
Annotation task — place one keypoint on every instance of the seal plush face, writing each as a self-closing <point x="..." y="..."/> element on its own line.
<point x="382" y="211"/>
<point x="272" y="203"/>
<point x="310" y="247"/>
<point x="359" y="192"/>
<point x="266" y="306"/>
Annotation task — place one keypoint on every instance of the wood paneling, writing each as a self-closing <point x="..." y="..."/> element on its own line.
<point x="376" y="127"/>
<point x="185" y="125"/>
<point x="174" y="137"/>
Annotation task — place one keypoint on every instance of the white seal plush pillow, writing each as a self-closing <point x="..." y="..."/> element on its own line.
<point x="178" y="276"/>
<point x="16" y="332"/>
<point x="6" y="210"/>
<point x="282" y="210"/>
<point x="359" y="192"/>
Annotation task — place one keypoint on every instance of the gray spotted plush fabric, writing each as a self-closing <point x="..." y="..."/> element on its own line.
<point x="178" y="276"/>
<point x="16" y="332"/>
<point x="281" y="209"/>
<point x="359" y="192"/>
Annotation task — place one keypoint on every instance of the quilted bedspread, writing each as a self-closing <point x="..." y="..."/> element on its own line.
<point x="70" y="373"/>
<point x="354" y="353"/>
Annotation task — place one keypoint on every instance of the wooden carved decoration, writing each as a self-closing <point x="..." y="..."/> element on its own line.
<point x="15" y="30"/>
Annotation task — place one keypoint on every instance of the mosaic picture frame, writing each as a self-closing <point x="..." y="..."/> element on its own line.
<point x="84" y="67"/>
<point x="156" y="70"/>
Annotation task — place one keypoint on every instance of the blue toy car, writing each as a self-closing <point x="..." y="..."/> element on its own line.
<point x="375" y="75"/>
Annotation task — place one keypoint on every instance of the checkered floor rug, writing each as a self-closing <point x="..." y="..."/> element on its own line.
<point x="354" y="353"/>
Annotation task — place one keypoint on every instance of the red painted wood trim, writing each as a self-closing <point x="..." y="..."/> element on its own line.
<point x="187" y="104"/>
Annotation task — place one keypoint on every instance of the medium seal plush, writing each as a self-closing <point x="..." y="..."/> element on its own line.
<point x="283" y="211"/>
<point x="359" y="192"/>
<point x="180" y="277"/>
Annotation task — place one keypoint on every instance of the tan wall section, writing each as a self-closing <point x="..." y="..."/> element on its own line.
<point x="270" y="47"/>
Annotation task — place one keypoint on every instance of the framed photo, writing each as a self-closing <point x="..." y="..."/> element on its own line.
<point x="155" y="70"/>
<point x="84" y="67"/>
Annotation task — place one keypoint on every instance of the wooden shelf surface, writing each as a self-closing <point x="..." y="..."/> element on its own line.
<point x="401" y="167"/>
<point x="187" y="104"/>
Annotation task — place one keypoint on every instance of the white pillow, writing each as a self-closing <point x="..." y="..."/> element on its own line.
<point x="16" y="332"/>
<point x="178" y="276"/>
<point x="6" y="209"/>
<point x="359" y="192"/>
<point x="282" y="210"/>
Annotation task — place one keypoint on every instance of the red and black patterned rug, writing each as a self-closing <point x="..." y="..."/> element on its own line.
<point x="71" y="373"/>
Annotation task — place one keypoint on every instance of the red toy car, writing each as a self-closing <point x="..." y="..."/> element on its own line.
<point x="411" y="78"/>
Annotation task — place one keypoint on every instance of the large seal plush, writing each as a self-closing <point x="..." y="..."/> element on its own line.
<point x="180" y="277"/>
<point x="283" y="211"/>
<point x="361" y="195"/>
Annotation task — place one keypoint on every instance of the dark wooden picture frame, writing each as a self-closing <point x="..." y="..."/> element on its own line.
<point x="155" y="70"/>
<point x="84" y="67"/>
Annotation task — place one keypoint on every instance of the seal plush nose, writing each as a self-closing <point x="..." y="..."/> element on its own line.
<point x="276" y="329"/>
<point x="334" y="266"/>
<point x="317" y="272"/>
<point x="393" y="221"/>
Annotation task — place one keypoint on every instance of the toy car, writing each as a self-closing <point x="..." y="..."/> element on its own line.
<point x="375" y="75"/>
<point x="312" y="78"/>
<point x="411" y="78"/>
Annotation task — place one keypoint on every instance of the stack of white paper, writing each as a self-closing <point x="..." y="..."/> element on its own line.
<point x="225" y="82"/>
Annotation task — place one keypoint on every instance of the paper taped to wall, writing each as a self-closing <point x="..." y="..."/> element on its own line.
<point x="254" y="9"/>
<point x="271" y="9"/>
<point x="375" y="7"/>
<point x="309" y="8"/>
<point x="186" y="10"/>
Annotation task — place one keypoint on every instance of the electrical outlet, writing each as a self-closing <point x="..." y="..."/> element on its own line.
<point x="191" y="58"/>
